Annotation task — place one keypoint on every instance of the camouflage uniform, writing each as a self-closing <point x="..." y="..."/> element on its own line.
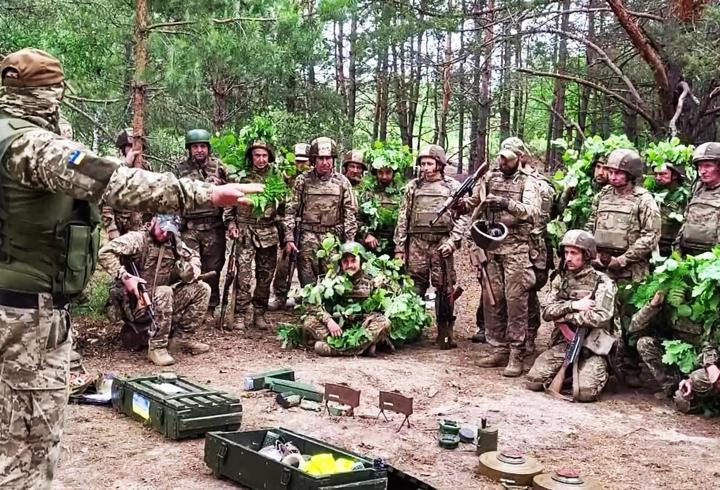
<point x="258" y="243"/>
<point x="384" y="234"/>
<point x="702" y="389"/>
<point x="377" y="325"/>
<point x="567" y="287"/>
<point x="203" y="230"/>
<point x="52" y="178"/>
<point x="324" y="205"/>
<point x="179" y="304"/>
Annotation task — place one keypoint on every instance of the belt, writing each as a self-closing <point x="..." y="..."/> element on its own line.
<point x="204" y="220"/>
<point x="28" y="301"/>
<point x="317" y="228"/>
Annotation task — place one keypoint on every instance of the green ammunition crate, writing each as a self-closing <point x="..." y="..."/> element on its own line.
<point x="234" y="455"/>
<point x="175" y="406"/>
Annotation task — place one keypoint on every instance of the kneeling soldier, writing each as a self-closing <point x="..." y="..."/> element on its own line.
<point x="581" y="297"/>
<point x="170" y="270"/>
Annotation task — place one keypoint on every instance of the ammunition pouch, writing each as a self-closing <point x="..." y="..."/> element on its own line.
<point x="599" y="342"/>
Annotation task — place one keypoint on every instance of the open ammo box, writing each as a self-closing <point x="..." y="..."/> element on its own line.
<point x="175" y="406"/>
<point x="234" y="455"/>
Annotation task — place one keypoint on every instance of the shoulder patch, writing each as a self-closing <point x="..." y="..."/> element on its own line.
<point x="75" y="158"/>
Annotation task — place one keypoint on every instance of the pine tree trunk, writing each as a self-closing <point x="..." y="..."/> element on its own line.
<point x="139" y="86"/>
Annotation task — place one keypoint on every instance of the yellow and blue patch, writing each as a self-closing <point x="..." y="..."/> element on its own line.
<point x="75" y="159"/>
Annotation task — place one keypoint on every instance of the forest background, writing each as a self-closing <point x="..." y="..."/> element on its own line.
<point x="461" y="73"/>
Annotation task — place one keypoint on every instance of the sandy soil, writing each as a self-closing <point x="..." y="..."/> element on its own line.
<point x="628" y="440"/>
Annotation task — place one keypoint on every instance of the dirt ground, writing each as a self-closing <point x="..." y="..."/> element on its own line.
<point x="627" y="440"/>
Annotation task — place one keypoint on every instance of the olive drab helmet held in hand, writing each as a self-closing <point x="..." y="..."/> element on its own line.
<point x="197" y="136"/>
<point x="707" y="152"/>
<point x="435" y="151"/>
<point x="488" y="236"/>
<point x="626" y="160"/>
<point x="354" y="156"/>
<point x="323" y="147"/>
<point x="581" y="239"/>
<point x="262" y="145"/>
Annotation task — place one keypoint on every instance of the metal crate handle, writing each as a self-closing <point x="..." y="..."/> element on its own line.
<point x="158" y="412"/>
<point x="285" y="477"/>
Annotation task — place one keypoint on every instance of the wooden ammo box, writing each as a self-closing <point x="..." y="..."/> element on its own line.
<point x="234" y="455"/>
<point x="175" y="406"/>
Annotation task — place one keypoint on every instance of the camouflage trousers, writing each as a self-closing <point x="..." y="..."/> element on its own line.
<point x="264" y="259"/>
<point x="592" y="370"/>
<point x="424" y="263"/>
<point x="376" y="324"/>
<point x="310" y="267"/>
<point x="510" y="276"/>
<point x="282" y="279"/>
<point x="179" y="310"/>
<point x="702" y="391"/>
<point x="210" y="244"/>
<point x="541" y="278"/>
<point x="35" y="354"/>
<point x="651" y="352"/>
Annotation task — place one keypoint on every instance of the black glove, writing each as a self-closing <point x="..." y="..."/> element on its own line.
<point x="497" y="204"/>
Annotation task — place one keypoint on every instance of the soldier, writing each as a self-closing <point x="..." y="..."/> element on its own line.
<point x="651" y="325"/>
<point x="258" y="242"/>
<point x="701" y="226"/>
<point x="319" y="324"/>
<point x="581" y="297"/>
<point x="323" y="203"/>
<point x="49" y="191"/>
<point x="203" y="230"/>
<point x="354" y="166"/>
<point x="670" y="178"/>
<point x="117" y="222"/>
<point x="512" y="200"/>
<point x="283" y="279"/>
<point x="625" y="220"/>
<point x="427" y="250"/>
<point x="387" y="196"/>
<point x="599" y="171"/>
<point x="170" y="270"/>
<point x="702" y="385"/>
<point x="541" y="254"/>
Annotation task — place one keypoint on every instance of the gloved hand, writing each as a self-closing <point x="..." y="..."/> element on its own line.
<point x="186" y="272"/>
<point x="497" y="204"/>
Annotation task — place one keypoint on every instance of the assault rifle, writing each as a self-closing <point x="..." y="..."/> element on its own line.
<point x="228" y="295"/>
<point x="145" y="301"/>
<point x="465" y="189"/>
<point x="445" y="298"/>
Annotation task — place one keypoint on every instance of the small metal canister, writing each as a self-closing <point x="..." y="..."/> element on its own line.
<point x="487" y="438"/>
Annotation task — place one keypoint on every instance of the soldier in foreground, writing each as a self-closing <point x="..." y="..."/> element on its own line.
<point x="701" y="225"/>
<point x="319" y="324"/>
<point x="428" y="249"/>
<point x="48" y="182"/>
<point x="203" y="230"/>
<point x="670" y="179"/>
<point x="283" y="270"/>
<point x="258" y="241"/>
<point x="322" y="202"/>
<point x="581" y="297"/>
<point x="169" y="269"/>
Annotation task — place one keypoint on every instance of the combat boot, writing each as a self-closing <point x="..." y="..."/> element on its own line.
<point x="192" y="346"/>
<point x="238" y="322"/>
<point x="479" y="337"/>
<point x="160" y="357"/>
<point x="323" y="348"/>
<point x="278" y="303"/>
<point x="494" y="358"/>
<point x="259" y="321"/>
<point x="514" y="366"/>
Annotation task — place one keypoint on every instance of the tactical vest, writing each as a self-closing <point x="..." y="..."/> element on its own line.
<point x="670" y="227"/>
<point x="48" y="241"/>
<point x="322" y="202"/>
<point x="362" y="287"/>
<point x="617" y="223"/>
<point x="702" y="221"/>
<point x="428" y="199"/>
<point x="202" y="219"/>
<point x="547" y="195"/>
<point x="578" y="285"/>
<point x="511" y="187"/>
<point x="386" y="202"/>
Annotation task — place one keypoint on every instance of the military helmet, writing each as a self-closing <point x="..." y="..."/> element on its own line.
<point x="488" y="235"/>
<point x="31" y="67"/>
<point x="435" y="151"/>
<point x="354" y="156"/>
<point x="515" y="145"/>
<point x="707" y="152"/>
<point x="302" y="152"/>
<point x="626" y="160"/>
<point x="197" y="136"/>
<point x="353" y="248"/>
<point x="260" y="144"/>
<point x="508" y="154"/>
<point x="581" y="239"/>
<point x="677" y="169"/>
<point x="323" y="147"/>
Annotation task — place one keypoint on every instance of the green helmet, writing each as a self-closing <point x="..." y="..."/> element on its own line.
<point x="435" y="151"/>
<point x="323" y="147"/>
<point x="260" y="144"/>
<point x="707" y="152"/>
<point x="582" y="240"/>
<point x="353" y="248"/>
<point x="626" y="160"/>
<point x="197" y="136"/>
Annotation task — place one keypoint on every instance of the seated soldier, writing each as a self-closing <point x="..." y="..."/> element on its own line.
<point x="703" y="385"/>
<point x="169" y="270"/>
<point x="319" y="324"/>
<point x="580" y="297"/>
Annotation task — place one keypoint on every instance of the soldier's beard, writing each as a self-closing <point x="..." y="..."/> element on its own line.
<point x="39" y="105"/>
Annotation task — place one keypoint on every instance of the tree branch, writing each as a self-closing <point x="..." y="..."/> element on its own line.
<point x="561" y="117"/>
<point x="645" y="115"/>
<point x="244" y="19"/>
<point x="170" y="24"/>
<point x="680" y="104"/>
<point x="88" y="117"/>
<point x="93" y="101"/>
